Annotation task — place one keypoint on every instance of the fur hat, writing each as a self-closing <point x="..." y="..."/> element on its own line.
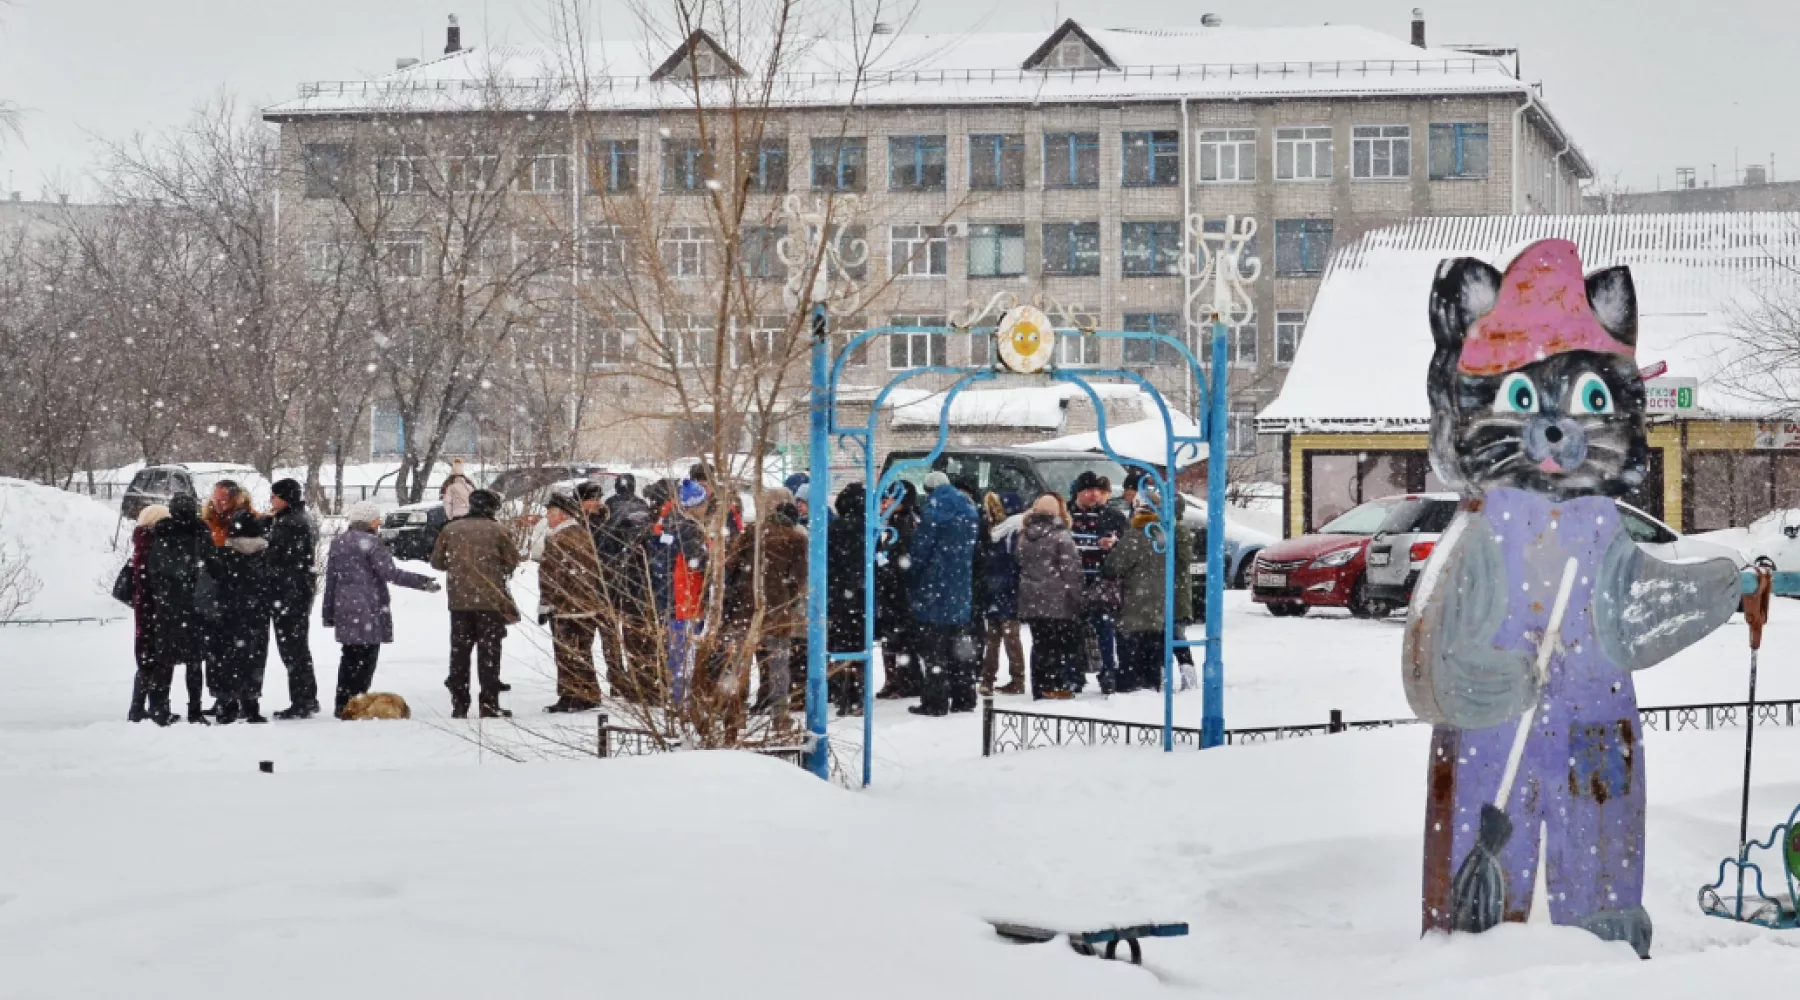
<point x="484" y="503"/>
<point x="288" y="491"/>
<point x="1134" y="478"/>
<point x="363" y="512"/>
<point x="1088" y="480"/>
<point x="691" y="493"/>
<point x="244" y="524"/>
<point x="589" y="491"/>
<point x="183" y="507"/>
<point x="935" y="479"/>
<point x="151" y="514"/>
<point x="567" y="504"/>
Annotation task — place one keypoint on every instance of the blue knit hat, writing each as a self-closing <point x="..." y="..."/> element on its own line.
<point x="691" y="494"/>
<point x="795" y="482"/>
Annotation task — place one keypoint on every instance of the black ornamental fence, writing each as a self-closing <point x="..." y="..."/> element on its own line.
<point x="629" y="741"/>
<point x="1008" y="731"/>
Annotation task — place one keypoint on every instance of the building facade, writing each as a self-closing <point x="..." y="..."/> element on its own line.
<point x="1063" y="165"/>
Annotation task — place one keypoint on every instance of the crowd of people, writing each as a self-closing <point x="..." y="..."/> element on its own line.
<point x="961" y="577"/>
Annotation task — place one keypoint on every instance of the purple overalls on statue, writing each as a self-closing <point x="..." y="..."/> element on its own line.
<point x="1581" y="780"/>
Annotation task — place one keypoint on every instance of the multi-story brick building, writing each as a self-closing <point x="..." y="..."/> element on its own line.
<point x="1063" y="163"/>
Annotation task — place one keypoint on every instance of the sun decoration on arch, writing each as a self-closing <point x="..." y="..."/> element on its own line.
<point x="1027" y="340"/>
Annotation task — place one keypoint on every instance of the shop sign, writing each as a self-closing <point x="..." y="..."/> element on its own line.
<point x="1670" y="397"/>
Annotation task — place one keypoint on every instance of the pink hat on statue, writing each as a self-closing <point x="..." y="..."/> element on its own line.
<point x="1541" y="309"/>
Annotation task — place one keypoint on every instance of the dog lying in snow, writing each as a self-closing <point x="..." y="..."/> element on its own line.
<point x="379" y="705"/>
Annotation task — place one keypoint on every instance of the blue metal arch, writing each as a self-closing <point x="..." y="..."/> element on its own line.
<point x="826" y="373"/>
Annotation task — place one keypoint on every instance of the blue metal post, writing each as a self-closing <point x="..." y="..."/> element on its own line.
<point x="817" y="524"/>
<point x="1212" y="675"/>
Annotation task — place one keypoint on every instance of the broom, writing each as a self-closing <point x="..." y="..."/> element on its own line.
<point x="1478" y="892"/>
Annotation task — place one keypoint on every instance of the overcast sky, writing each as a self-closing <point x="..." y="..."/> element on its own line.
<point x="1643" y="85"/>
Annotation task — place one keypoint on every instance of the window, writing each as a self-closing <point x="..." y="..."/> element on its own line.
<point x="686" y="166"/>
<point x="918" y="349"/>
<point x="325" y="257"/>
<point x="472" y="169"/>
<point x="846" y="239"/>
<point x="919" y="251"/>
<point x="690" y="340"/>
<point x="612" y="165"/>
<point x="1240" y="345"/>
<point x="916" y="163"/>
<point x="996" y="251"/>
<point x="403" y="254"/>
<point x="763" y="345"/>
<point x="981" y="348"/>
<point x="757" y="246"/>
<point x="1240" y="432"/>
<point x="1145" y="353"/>
<point x="403" y="169"/>
<point x="1071" y="248"/>
<point x="1150" y="248"/>
<point x="1458" y="150"/>
<point x="1071" y="53"/>
<point x="1245" y="255"/>
<point x="1071" y="159"/>
<point x="997" y="162"/>
<point x="1152" y="159"/>
<point x="544" y="169"/>
<point x="604" y="341"/>
<point x="327" y="165"/>
<point x="472" y="258"/>
<point x="1228" y="155"/>
<point x="1301" y="246"/>
<point x="845" y="331"/>
<point x="1076" y="351"/>
<point x="1288" y="327"/>
<point x="1303" y="154"/>
<point x="839" y="164"/>
<point x="767" y="165"/>
<point x="543" y="252"/>
<point x="684" y="251"/>
<point x="1380" y="152"/>
<point x="603" y="251"/>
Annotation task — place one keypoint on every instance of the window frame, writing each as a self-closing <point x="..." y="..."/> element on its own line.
<point x="761" y="262"/>
<point x="1237" y="338"/>
<point x="1072" y="253"/>
<point x="1160" y="146"/>
<point x="321" y="183"/>
<point x="1290" y="327"/>
<point x="618" y="171"/>
<point x="1460" y="134"/>
<point x="1004" y="233"/>
<point x="552" y="159"/>
<point x="1160" y="231"/>
<point x="1393" y="140"/>
<point x="1308" y="230"/>
<point x="937" y="345"/>
<point x="695" y="167"/>
<point x="1150" y="322"/>
<point x="486" y="172"/>
<point x="840" y="163"/>
<point x="1004" y="153"/>
<point x="397" y="169"/>
<point x="921" y="150"/>
<point x="936" y="257"/>
<point x="1086" y="349"/>
<point x="1242" y="143"/>
<point x="1312" y="137"/>
<point x="412" y="244"/>
<point x="1074" y="145"/>
<point x="690" y="251"/>
<point x="1240" y="432"/>
<point x="768" y="166"/>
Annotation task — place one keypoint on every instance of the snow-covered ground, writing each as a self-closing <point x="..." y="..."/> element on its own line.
<point x="403" y="859"/>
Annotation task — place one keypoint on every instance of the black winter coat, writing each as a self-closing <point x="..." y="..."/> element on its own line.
<point x="174" y="559"/>
<point x="847" y="600"/>
<point x="293" y="544"/>
<point x="623" y="545"/>
<point x="893" y="604"/>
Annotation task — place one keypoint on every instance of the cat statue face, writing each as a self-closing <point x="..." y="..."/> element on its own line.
<point x="1534" y="383"/>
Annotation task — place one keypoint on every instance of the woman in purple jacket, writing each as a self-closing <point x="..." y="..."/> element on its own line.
<point x="356" y="599"/>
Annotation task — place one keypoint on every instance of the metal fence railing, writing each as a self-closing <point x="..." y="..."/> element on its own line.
<point x="629" y="741"/>
<point x="1009" y="731"/>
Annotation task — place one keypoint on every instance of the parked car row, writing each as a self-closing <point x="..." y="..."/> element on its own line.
<point x="1369" y="559"/>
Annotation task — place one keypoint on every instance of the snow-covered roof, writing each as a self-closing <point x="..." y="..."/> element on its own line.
<point x="1363" y="356"/>
<point x="1036" y="407"/>
<point x="1204" y="63"/>
<point x="1143" y="440"/>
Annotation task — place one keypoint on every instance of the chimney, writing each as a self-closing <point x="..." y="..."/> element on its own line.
<point x="453" y="37"/>
<point x="1755" y="175"/>
<point x="1211" y="20"/>
<point x="1418" y="26"/>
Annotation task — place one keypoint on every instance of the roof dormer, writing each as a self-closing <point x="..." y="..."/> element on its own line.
<point x="698" y="57"/>
<point x="1069" y="47"/>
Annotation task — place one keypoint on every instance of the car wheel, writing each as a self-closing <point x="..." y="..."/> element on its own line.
<point x="1360" y="605"/>
<point x="1277" y="610"/>
<point x="1298" y="609"/>
<point x="1242" y="580"/>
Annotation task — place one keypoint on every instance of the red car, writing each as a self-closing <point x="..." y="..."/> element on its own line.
<point x="1323" y="569"/>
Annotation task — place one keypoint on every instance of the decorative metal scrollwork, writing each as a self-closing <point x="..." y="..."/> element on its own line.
<point x="1064" y="317"/>
<point x="820" y="247"/>
<point x="1218" y="259"/>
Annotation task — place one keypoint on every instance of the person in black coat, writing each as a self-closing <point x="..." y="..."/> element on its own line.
<point x="235" y="600"/>
<point x="178" y="548"/>
<point x="893" y="604"/>
<point x="624" y="550"/>
<point x="847" y="597"/>
<point x="293" y="544"/>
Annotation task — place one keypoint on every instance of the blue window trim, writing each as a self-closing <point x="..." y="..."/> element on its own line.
<point x="1161" y="261"/>
<point x="765" y="151"/>
<point x="616" y="156"/>
<point x="1153" y="147"/>
<point x="1308" y="232"/>
<point x="1459" y="133"/>
<point x="844" y="145"/>
<point x="921" y="144"/>
<point x="1070" y="257"/>
<point x="1074" y="144"/>
<point x="994" y="147"/>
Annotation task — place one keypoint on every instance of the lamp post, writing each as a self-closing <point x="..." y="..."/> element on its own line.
<point x="1217" y="258"/>
<point x="818" y="261"/>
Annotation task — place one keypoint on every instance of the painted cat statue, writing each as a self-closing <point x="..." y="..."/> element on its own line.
<point x="1537" y="419"/>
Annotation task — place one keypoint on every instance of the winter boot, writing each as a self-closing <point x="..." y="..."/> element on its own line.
<point x="250" y="710"/>
<point x="459" y="708"/>
<point x="159" y="713"/>
<point x="196" y="716"/>
<point x="561" y="706"/>
<point x="298" y="710"/>
<point x="1014" y="686"/>
<point x="490" y="709"/>
<point x="138" y="698"/>
<point x="225" y="712"/>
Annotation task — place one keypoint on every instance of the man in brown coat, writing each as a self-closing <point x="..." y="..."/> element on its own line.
<point x="479" y="555"/>
<point x="784" y="555"/>
<point x="569" y="596"/>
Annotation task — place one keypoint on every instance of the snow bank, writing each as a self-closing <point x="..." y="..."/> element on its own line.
<point x="1038" y="407"/>
<point x="1143" y="440"/>
<point x="67" y="541"/>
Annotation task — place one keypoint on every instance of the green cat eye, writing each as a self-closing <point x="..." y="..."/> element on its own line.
<point x="1517" y="395"/>
<point x="1592" y="395"/>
